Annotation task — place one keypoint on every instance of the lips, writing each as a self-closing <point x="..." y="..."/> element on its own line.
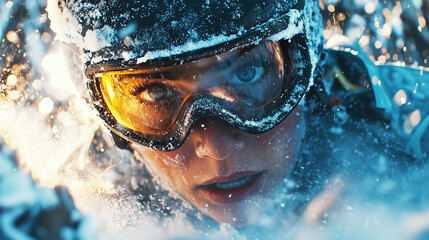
<point x="232" y="188"/>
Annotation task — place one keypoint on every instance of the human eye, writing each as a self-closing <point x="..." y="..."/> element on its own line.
<point x="249" y="70"/>
<point x="152" y="91"/>
<point x="247" y="73"/>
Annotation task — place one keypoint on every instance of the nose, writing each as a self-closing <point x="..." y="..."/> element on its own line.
<point x="216" y="139"/>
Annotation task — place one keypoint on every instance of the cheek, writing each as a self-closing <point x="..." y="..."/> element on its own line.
<point x="288" y="135"/>
<point x="168" y="167"/>
<point x="281" y="142"/>
<point x="276" y="151"/>
<point x="177" y="159"/>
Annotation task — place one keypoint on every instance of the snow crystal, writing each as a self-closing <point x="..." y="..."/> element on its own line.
<point x="64" y="24"/>
<point x="188" y="47"/>
<point x="127" y="30"/>
<point x="292" y="29"/>
<point x="97" y="39"/>
<point x="31" y="212"/>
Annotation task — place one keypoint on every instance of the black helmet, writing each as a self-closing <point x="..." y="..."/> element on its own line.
<point x="123" y="36"/>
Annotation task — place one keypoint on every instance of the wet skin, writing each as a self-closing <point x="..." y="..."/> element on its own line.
<point x="226" y="173"/>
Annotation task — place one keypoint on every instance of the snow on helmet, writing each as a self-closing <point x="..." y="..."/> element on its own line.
<point x="125" y="30"/>
<point x="123" y="38"/>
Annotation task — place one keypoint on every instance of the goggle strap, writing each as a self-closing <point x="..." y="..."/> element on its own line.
<point x="318" y="101"/>
<point x="122" y="143"/>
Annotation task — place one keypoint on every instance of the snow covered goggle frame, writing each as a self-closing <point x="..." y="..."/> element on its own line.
<point x="252" y="88"/>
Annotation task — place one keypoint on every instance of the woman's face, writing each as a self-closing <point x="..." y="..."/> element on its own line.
<point x="228" y="174"/>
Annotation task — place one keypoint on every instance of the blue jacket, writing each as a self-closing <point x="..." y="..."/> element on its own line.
<point x="401" y="94"/>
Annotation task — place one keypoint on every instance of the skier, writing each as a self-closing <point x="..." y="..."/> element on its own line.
<point x="225" y="100"/>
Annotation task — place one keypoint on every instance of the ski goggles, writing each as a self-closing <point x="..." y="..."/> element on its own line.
<point x="253" y="88"/>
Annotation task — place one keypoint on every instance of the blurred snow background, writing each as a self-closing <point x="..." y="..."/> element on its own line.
<point x="44" y="117"/>
<point x="393" y="32"/>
